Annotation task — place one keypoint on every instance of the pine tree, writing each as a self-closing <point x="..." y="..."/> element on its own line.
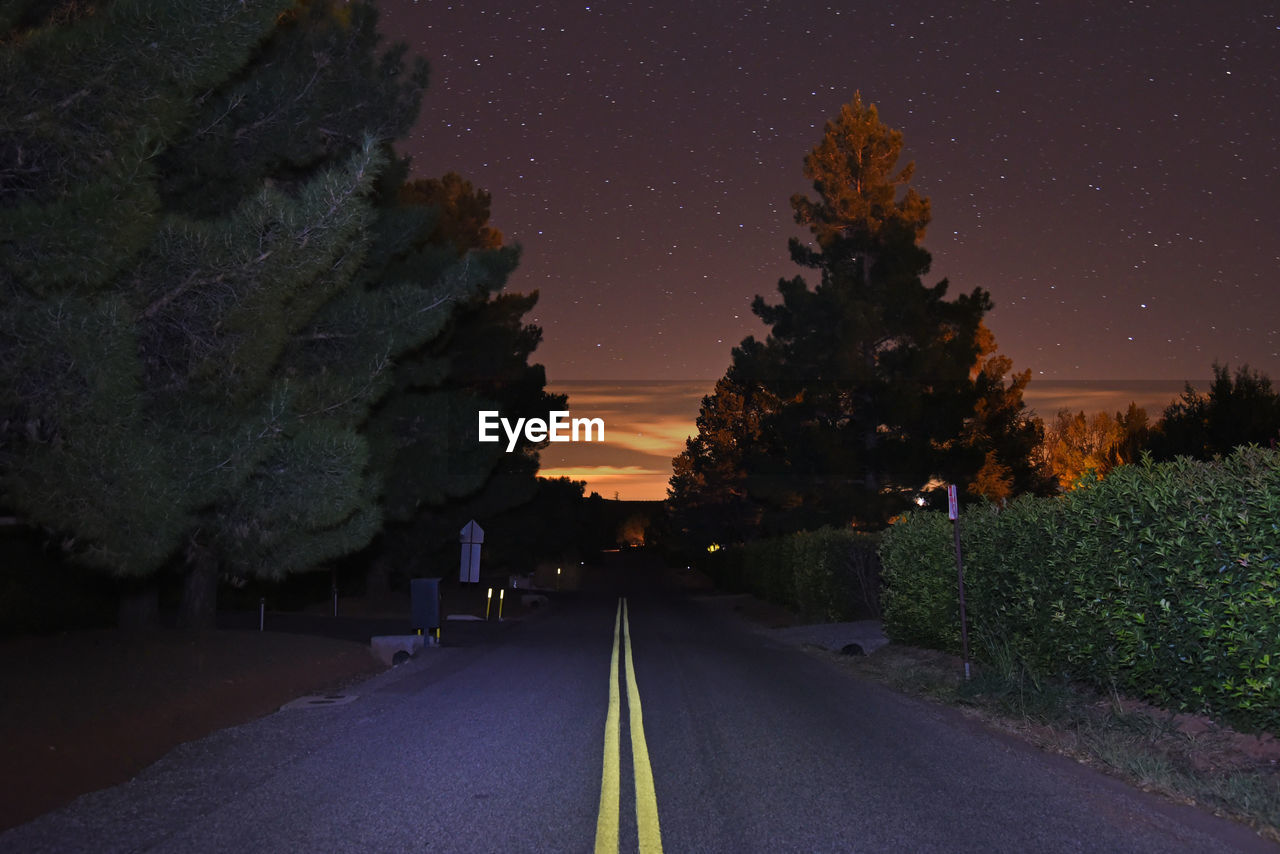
<point x="710" y="495"/>
<point x="1003" y="437"/>
<point x="191" y="373"/>
<point x="481" y="362"/>
<point x="89" y="96"/>
<point x="871" y="379"/>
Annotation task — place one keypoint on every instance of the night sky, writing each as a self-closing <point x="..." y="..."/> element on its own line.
<point x="1107" y="170"/>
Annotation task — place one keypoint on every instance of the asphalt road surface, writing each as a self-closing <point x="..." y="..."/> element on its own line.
<point x="623" y="719"/>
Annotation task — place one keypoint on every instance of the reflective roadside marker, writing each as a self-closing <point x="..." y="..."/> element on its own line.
<point x="501" y="593"/>
<point x="487" y="601"/>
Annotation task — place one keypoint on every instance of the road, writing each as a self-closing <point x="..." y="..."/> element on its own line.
<point x="625" y="718"/>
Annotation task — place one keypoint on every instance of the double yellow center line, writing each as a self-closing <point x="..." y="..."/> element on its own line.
<point x="610" y="783"/>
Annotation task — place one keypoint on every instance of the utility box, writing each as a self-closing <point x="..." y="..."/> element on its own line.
<point x="424" y="603"/>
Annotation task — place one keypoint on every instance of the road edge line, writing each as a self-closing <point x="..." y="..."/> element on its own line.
<point x="647" y="825"/>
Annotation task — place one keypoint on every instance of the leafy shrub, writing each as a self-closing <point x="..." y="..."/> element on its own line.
<point x="834" y="574"/>
<point x="1187" y="596"/>
<point x="1162" y="580"/>
<point x="768" y="569"/>
<point x="1014" y="602"/>
<point x="824" y="575"/>
<point x="918" y="567"/>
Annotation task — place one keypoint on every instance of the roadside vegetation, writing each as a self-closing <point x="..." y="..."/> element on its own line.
<point x="242" y="338"/>
<point x="1129" y="623"/>
<point x="1160" y="581"/>
<point x="1110" y="562"/>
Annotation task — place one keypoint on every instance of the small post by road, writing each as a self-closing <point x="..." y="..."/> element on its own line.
<point x="488" y="600"/>
<point x="500" y="594"/>
<point x="953" y="513"/>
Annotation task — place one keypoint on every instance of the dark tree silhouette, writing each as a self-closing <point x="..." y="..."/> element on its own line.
<point x="872" y="384"/>
<point x="1235" y="411"/>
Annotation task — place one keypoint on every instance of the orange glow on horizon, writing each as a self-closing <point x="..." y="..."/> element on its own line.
<point x="646" y="425"/>
<point x="631" y="483"/>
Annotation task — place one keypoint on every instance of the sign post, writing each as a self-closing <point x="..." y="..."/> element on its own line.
<point x="472" y="538"/>
<point x="953" y="513"/>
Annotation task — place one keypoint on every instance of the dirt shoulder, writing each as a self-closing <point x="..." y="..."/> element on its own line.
<point x="81" y="711"/>
<point x="85" y="710"/>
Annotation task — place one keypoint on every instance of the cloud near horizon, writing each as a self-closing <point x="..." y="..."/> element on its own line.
<point x="646" y="424"/>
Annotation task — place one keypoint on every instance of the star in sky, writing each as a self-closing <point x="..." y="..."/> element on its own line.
<point x="1105" y="170"/>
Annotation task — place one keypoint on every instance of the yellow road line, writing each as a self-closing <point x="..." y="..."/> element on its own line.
<point x="648" y="829"/>
<point x="607" y="820"/>
<point x="646" y="799"/>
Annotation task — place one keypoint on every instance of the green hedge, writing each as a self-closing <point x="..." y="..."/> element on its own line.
<point x="918" y="574"/>
<point x="1161" y="580"/>
<point x="825" y="575"/>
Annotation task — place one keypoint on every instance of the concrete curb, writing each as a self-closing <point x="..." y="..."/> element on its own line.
<point x="393" y="649"/>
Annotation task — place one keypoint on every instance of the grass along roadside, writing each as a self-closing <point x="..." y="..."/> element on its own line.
<point x="1185" y="757"/>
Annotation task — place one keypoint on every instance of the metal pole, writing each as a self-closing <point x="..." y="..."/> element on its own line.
<point x="262" y="612"/>
<point x="964" y="623"/>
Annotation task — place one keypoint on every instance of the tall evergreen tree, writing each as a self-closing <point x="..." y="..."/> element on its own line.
<point x="1003" y="437"/>
<point x="190" y="375"/>
<point x="710" y="494"/>
<point x="872" y="377"/>
<point x="88" y="98"/>
<point x="480" y="362"/>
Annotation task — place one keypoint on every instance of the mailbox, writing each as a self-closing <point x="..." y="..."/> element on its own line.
<point x="424" y="603"/>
